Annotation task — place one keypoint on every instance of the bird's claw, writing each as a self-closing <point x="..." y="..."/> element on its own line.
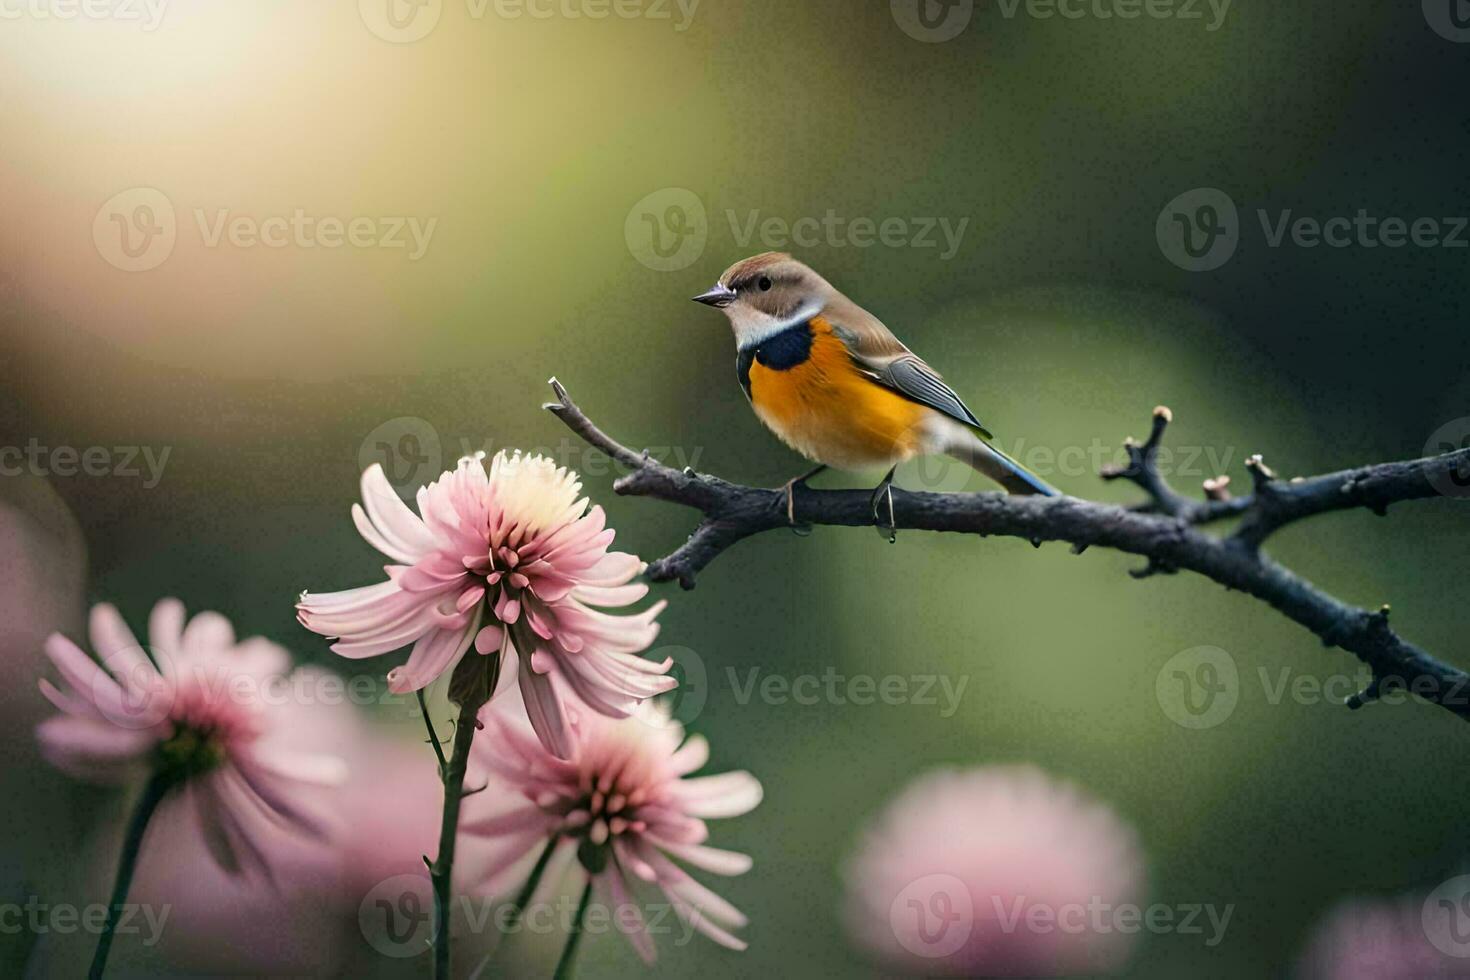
<point x="790" y="487"/>
<point x="889" y="531"/>
<point x="800" y="530"/>
<point x="791" y="499"/>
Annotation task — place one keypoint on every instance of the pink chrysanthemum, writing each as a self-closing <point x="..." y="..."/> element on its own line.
<point x="520" y="547"/>
<point x="622" y="805"/>
<point x="1369" y="939"/>
<point x="947" y="879"/>
<point x="204" y="716"/>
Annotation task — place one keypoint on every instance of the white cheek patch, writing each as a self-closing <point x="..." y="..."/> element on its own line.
<point x="752" y="326"/>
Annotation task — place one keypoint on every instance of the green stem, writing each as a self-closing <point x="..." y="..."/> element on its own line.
<point x="564" y="965"/>
<point x="153" y="793"/>
<point x="441" y="872"/>
<point x="529" y="888"/>
<point x="518" y="906"/>
<point x="433" y="735"/>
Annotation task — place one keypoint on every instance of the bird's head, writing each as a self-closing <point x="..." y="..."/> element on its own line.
<point x="765" y="294"/>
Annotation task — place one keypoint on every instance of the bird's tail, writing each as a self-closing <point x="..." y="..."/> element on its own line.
<point x="969" y="448"/>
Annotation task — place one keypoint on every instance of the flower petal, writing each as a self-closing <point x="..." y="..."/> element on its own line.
<point x="729" y="794"/>
<point x="545" y="711"/>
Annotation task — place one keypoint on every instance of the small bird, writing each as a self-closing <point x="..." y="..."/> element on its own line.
<point x="837" y="386"/>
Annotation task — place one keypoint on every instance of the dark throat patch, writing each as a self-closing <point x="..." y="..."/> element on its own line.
<point x="779" y="352"/>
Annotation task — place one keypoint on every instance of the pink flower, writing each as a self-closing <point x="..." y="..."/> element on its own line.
<point x="1369" y="939"/>
<point x="205" y="715"/>
<point x="518" y="547"/>
<point x="994" y="872"/>
<point x="623" y="805"/>
<point x="230" y="924"/>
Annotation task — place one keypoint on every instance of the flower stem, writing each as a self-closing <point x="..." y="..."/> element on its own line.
<point x="441" y="872"/>
<point x="518" y="906"/>
<point x="564" y="965"/>
<point x="433" y="735"/>
<point x="153" y="793"/>
<point x="523" y="898"/>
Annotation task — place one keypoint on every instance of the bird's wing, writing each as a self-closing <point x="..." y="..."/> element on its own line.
<point x="883" y="357"/>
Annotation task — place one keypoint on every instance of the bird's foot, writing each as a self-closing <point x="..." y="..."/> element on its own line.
<point x="882" y="495"/>
<point x="801" y="530"/>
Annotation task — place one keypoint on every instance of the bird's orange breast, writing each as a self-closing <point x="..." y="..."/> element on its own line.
<point x="826" y="409"/>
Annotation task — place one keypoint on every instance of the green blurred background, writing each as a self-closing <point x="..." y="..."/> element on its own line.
<point x="272" y="374"/>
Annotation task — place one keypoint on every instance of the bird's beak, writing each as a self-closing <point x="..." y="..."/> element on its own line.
<point x="719" y="295"/>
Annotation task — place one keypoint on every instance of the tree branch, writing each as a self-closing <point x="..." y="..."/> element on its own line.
<point x="1165" y="531"/>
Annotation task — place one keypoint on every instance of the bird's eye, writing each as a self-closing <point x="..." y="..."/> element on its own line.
<point x="765" y="284"/>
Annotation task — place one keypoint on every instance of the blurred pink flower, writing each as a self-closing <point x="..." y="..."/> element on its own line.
<point x="301" y="923"/>
<point x="521" y="545"/>
<point x="1371" y="939"/>
<point x="944" y="881"/>
<point x="206" y="715"/>
<point x="622" y="806"/>
<point x="388" y="833"/>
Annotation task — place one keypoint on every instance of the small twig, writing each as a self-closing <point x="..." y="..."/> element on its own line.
<point x="1167" y="532"/>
